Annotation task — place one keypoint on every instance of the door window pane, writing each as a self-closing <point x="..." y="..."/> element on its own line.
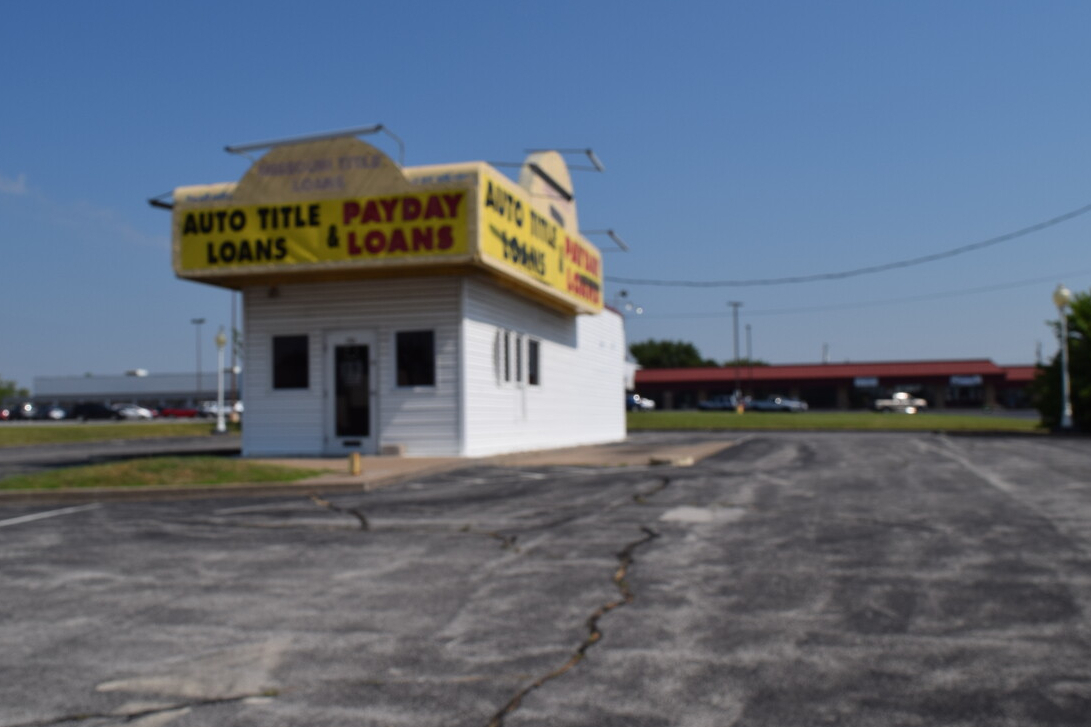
<point x="352" y="391"/>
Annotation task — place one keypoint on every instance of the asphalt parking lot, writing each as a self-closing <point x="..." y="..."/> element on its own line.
<point x="792" y="579"/>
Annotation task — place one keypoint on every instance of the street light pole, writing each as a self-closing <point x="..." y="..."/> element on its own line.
<point x="735" y="324"/>
<point x="1062" y="296"/>
<point x="234" y="347"/>
<point x="198" y="322"/>
<point x="221" y="341"/>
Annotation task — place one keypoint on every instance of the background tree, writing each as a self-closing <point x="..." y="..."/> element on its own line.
<point x="11" y="390"/>
<point x="744" y="362"/>
<point x="1047" y="384"/>
<point x="652" y="354"/>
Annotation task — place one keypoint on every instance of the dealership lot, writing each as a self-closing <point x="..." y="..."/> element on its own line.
<point x="793" y="579"/>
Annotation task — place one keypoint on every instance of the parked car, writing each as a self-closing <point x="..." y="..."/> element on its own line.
<point x="52" y="413"/>
<point x="776" y="403"/>
<point x="133" y="412"/>
<point x="901" y="401"/>
<point x="179" y="412"/>
<point x="719" y="403"/>
<point x="724" y="402"/>
<point x="636" y="402"/>
<point x="211" y="408"/>
<point x="23" y="410"/>
<point x="93" y="410"/>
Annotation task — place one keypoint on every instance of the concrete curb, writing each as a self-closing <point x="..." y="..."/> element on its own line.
<point x="622" y="454"/>
<point x="323" y="483"/>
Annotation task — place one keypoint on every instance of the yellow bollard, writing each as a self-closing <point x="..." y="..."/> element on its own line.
<point x="355" y="465"/>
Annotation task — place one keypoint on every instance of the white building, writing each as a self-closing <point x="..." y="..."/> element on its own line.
<point x="426" y="311"/>
<point x="153" y="390"/>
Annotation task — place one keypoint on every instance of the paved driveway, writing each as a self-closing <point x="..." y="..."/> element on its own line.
<point x="794" y="579"/>
<point x="25" y="460"/>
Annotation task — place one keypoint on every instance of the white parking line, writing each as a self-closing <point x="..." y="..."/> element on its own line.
<point x="47" y="513"/>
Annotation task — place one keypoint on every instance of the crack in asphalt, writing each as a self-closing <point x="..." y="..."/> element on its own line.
<point x="594" y="633"/>
<point x="507" y="542"/>
<point x="139" y="714"/>
<point x="355" y="512"/>
<point x="642" y="497"/>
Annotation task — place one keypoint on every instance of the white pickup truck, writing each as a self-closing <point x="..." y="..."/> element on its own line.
<point x="902" y="402"/>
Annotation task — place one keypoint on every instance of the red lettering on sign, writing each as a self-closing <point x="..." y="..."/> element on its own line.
<point x="446" y="237"/>
<point x="371" y="212"/>
<point x="452" y="201"/>
<point x="581" y="256"/>
<point x="348" y="211"/>
<point x="433" y="208"/>
<point x="422" y="238"/>
<point x="389" y="205"/>
<point x="583" y="287"/>
<point x="374" y="242"/>
<point x="397" y="242"/>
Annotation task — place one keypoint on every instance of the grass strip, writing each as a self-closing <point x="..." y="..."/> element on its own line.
<point x="832" y="421"/>
<point x="18" y="435"/>
<point x="158" y="472"/>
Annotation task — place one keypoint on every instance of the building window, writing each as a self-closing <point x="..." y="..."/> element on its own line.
<point x="518" y="359"/>
<point x="518" y="356"/>
<point x="533" y="357"/>
<point x="416" y="354"/>
<point x="505" y="356"/>
<point x="291" y="362"/>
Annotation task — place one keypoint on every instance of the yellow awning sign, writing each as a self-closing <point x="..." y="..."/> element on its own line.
<point x="400" y="226"/>
<point x="518" y="238"/>
<point x="342" y="208"/>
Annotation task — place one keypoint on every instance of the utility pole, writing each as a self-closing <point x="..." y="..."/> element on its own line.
<point x="749" y="363"/>
<point x="735" y="324"/>
<point x="198" y="322"/>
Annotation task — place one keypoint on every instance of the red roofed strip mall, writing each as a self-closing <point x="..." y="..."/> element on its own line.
<point x="958" y="384"/>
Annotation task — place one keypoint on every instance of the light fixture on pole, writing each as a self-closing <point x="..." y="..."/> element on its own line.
<point x="735" y="318"/>
<point x="323" y="136"/>
<point x="621" y="244"/>
<point x="198" y="322"/>
<point x="625" y="306"/>
<point x="1062" y="296"/>
<point x="221" y="341"/>
<point x="596" y="163"/>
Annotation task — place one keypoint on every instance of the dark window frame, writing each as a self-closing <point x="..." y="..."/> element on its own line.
<point x="505" y="357"/>
<point x="518" y="337"/>
<point x="534" y="362"/>
<point x="418" y="367"/>
<point x="291" y="355"/>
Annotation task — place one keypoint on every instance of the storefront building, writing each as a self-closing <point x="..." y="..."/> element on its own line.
<point x="949" y="384"/>
<point x="441" y="310"/>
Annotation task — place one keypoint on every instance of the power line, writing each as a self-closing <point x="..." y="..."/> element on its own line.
<point x="856" y="271"/>
<point x="885" y="301"/>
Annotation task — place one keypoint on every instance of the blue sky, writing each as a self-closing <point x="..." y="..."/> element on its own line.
<point x="742" y="141"/>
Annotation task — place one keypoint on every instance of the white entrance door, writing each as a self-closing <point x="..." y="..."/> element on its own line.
<point x="350" y="398"/>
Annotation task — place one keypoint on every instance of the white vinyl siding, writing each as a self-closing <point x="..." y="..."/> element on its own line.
<point x="471" y="410"/>
<point x="424" y="420"/>
<point x="580" y="396"/>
